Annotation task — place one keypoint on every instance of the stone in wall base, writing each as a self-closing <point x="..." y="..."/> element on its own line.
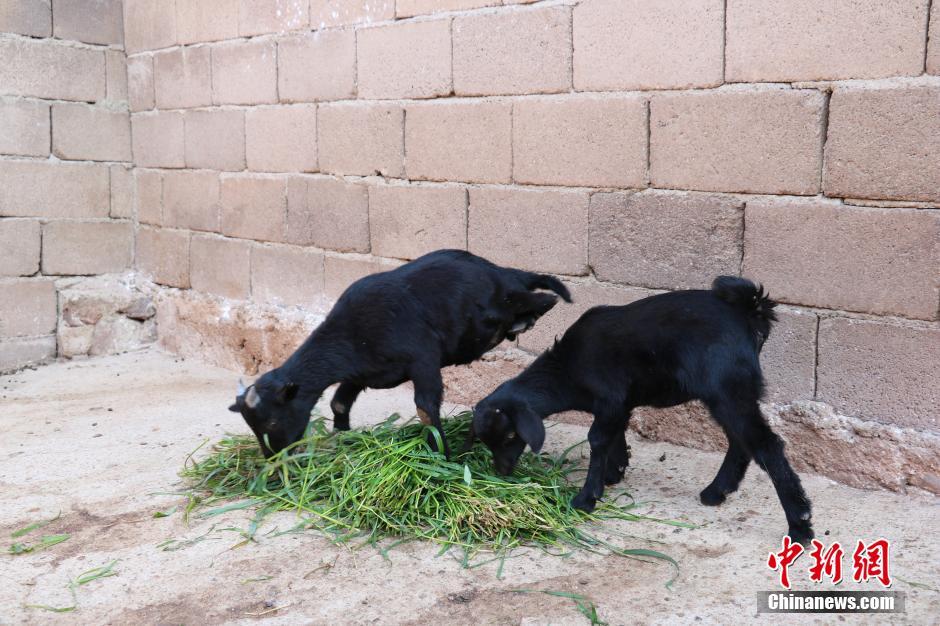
<point x="102" y="315"/>
<point x="858" y="452"/>
<point x="253" y="338"/>
<point x="240" y="336"/>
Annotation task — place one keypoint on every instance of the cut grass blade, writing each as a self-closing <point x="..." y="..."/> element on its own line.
<point x="84" y="578"/>
<point x="273" y="609"/>
<point x="387" y="482"/>
<point x="94" y="574"/>
<point x="54" y="609"/>
<point x="323" y="566"/>
<point x="653" y="554"/>
<point x="225" y="509"/>
<point x="259" y="579"/>
<point x="167" y="513"/>
<point x="172" y="545"/>
<point x="916" y="584"/>
<point x="584" y="604"/>
<point x="34" y="526"/>
<point x="46" y="542"/>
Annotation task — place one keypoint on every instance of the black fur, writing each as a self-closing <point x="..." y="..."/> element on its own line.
<point x="660" y="351"/>
<point x="445" y="308"/>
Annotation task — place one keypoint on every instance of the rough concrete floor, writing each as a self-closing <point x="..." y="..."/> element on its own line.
<point x="97" y="439"/>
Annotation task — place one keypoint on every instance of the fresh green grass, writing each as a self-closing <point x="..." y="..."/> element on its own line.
<point x="584" y="604"/>
<point x="386" y="483"/>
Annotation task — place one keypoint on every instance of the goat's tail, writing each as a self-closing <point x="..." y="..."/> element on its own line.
<point x="745" y="295"/>
<point x="532" y="281"/>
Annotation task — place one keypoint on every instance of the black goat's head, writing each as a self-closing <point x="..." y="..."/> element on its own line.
<point x="272" y="411"/>
<point x="506" y="426"/>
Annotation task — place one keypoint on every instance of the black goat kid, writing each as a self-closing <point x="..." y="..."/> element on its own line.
<point x="660" y="351"/>
<point x="445" y="308"/>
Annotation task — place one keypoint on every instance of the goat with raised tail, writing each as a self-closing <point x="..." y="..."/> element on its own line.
<point x="444" y="308"/>
<point x="660" y="351"/>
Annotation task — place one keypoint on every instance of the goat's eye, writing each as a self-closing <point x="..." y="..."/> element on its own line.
<point x="510" y="437"/>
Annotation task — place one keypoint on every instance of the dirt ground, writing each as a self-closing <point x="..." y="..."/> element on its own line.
<point x="96" y="440"/>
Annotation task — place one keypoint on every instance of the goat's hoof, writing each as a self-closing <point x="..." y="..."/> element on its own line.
<point x="711" y="496"/>
<point x="802" y="533"/>
<point x="584" y="503"/>
<point x="340" y="427"/>
<point x="614" y="476"/>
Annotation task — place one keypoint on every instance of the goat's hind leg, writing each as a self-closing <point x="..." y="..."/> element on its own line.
<point x="748" y="426"/>
<point x="729" y="475"/>
<point x="618" y="458"/>
<point x="341" y="404"/>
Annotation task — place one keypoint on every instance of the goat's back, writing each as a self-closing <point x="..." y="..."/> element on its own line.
<point x="450" y="300"/>
<point x="666" y="349"/>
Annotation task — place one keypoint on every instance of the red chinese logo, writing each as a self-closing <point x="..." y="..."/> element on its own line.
<point x="868" y="562"/>
<point x="828" y="562"/>
<point x="871" y="562"/>
<point x="784" y="559"/>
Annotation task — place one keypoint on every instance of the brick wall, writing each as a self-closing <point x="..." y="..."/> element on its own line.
<point x="66" y="180"/>
<point x="283" y="148"/>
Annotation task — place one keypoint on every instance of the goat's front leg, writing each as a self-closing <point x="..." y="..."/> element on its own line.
<point x="429" y="392"/>
<point x="607" y="426"/>
<point x="341" y="404"/>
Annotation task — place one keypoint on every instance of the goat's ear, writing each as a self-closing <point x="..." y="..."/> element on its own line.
<point x="530" y="427"/>
<point x="535" y="304"/>
<point x="286" y="392"/>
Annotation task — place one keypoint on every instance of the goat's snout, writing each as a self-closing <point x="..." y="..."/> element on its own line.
<point x="504" y="467"/>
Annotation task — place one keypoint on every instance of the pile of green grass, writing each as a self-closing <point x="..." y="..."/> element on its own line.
<point x="387" y="482"/>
